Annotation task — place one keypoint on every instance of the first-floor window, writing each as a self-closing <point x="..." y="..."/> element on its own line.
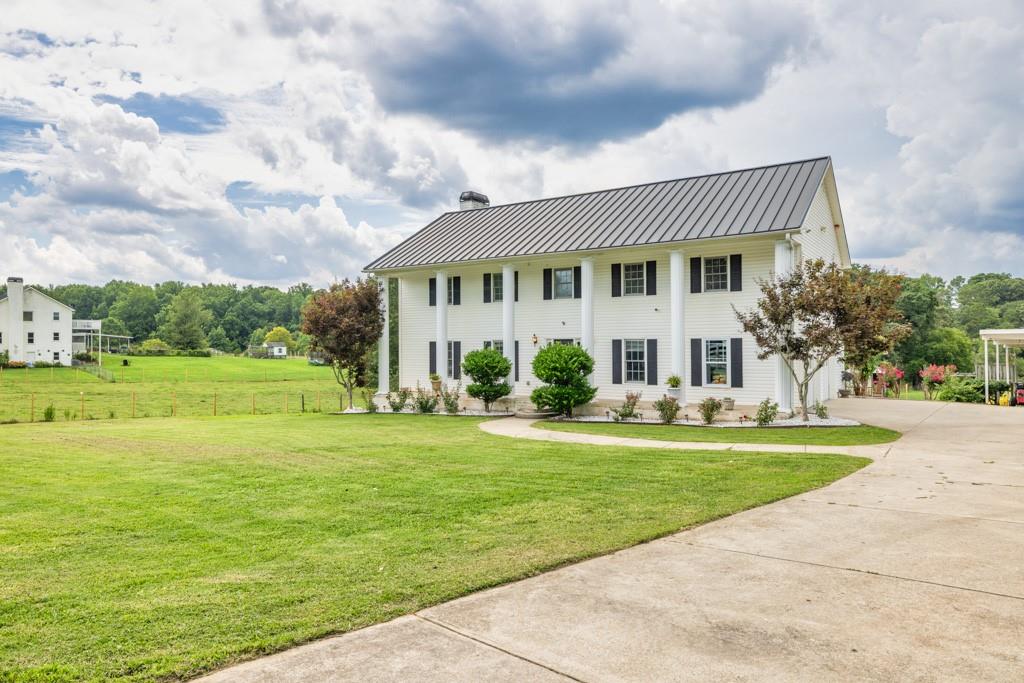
<point x="451" y="368"/>
<point x="496" y="344"/>
<point x="716" y="361"/>
<point x="563" y="283"/>
<point x="566" y="342"/>
<point x="31" y="337"/>
<point x="635" y="360"/>
<point x="56" y="355"/>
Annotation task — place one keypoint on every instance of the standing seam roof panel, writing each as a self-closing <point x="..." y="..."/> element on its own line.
<point x="742" y="202"/>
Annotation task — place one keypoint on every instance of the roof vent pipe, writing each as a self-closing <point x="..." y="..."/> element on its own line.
<point x="473" y="200"/>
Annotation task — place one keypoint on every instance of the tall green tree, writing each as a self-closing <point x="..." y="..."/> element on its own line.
<point x="137" y="307"/>
<point x="186" y="321"/>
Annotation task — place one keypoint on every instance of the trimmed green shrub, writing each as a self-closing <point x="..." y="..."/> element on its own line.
<point x="767" y="411"/>
<point x="961" y="390"/>
<point x="709" y="408"/>
<point x="489" y="370"/>
<point x="425" y="401"/>
<point x="450" y="398"/>
<point x="668" y="408"/>
<point x="564" y="369"/>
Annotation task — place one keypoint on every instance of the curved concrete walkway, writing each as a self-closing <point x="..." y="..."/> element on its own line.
<point x="524" y="429"/>
<point x="910" y="569"/>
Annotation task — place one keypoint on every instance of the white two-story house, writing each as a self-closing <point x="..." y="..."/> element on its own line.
<point x="33" y="326"/>
<point x="645" y="278"/>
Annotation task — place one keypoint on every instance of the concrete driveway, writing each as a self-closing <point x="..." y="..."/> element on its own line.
<point x="911" y="569"/>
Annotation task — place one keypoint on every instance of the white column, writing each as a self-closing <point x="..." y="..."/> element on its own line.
<point x="384" y="344"/>
<point x="441" y="334"/>
<point x="986" y="370"/>
<point x="587" y="305"/>
<point x="1006" y="364"/>
<point x="677" y="317"/>
<point x="508" y="318"/>
<point x="783" y="379"/>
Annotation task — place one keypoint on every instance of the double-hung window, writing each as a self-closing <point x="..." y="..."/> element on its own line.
<point x="56" y="315"/>
<point x="563" y="285"/>
<point x="450" y="289"/>
<point x="56" y="336"/>
<point x="496" y="344"/>
<point x="716" y="362"/>
<point x="716" y="274"/>
<point x="449" y="365"/>
<point x="633" y="281"/>
<point x="31" y="337"/>
<point x="634" y="352"/>
<point x="497" y="287"/>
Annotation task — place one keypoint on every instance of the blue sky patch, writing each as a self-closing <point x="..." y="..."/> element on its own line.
<point x="172" y="114"/>
<point x="15" y="181"/>
<point x="244" y="195"/>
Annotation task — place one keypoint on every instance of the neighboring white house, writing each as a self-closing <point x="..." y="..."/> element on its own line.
<point x="646" y="278"/>
<point x="33" y="326"/>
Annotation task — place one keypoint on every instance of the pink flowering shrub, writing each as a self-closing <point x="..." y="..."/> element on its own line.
<point x="889" y="377"/>
<point x="935" y="375"/>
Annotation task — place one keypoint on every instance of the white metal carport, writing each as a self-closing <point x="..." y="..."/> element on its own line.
<point x="1007" y="339"/>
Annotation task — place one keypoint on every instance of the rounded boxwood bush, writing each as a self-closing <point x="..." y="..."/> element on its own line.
<point x="564" y="369"/>
<point x="489" y="370"/>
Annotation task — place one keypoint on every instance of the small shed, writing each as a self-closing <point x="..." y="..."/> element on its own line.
<point x="276" y="349"/>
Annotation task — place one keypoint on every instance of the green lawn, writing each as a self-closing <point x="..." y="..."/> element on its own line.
<point x="159" y="549"/>
<point x="161" y="386"/>
<point x="816" y="436"/>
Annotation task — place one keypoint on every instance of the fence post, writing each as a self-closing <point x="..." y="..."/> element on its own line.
<point x="174" y="404"/>
<point x="253" y="397"/>
<point x="318" y="400"/>
<point x="133" y="404"/>
<point x="215" y="404"/>
<point x="32" y="410"/>
<point x="122" y="374"/>
<point x="302" y="402"/>
<point x="286" y="403"/>
<point x="81" y="395"/>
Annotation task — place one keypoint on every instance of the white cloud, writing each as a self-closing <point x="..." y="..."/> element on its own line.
<point x="918" y="104"/>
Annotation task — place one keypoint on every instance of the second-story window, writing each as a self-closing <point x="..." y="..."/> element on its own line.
<point x="716" y="274"/>
<point x="56" y="315"/>
<point x="497" y="287"/>
<point x="633" y="279"/>
<point x="563" y="283"/>
<point x="31" y="337"/>
<point x="26" y="316"/>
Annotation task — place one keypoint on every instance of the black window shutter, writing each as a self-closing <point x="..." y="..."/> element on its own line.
<point x="515" y="277"/>
<point x="456" y="291"/>
<point x="456" y="360"/>
<point x="652" y="359"/>
<point x="432" y="286"/>
<point x="695" y="275"/>
<point x="736" y="273"/>
<point x="515" y="361"/>
<point x="616" y="361"/>
<point x="433" y="357"/>
<point x="487" y="288"/>
<point x="696" y="365"/>
<point x="736" y="361"/>
<point x="547" y="283"/>
<point x="616" y="279"/>
<point x="651" y="280"/>
<point x="577" y="282"/>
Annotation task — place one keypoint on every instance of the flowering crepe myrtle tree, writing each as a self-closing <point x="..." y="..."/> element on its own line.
<point x="800" y="317"/>
<point x="344" y="323"/>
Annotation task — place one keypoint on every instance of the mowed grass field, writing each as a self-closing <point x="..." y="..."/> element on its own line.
<point x="159" y="549"/>
<point x="170" y="386"/>
<point x="817" y="436"/>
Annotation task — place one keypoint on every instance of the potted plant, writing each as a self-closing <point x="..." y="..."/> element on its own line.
<point x="728" y="403"/>
<point x="847" y="376"/>
<point x="435" y="382"/>
<point x="673" y="386"/>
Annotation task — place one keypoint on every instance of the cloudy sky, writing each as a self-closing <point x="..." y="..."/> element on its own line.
<point x="287" y="140"/>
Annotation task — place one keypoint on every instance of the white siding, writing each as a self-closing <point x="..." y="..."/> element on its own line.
<point x="707" y="315"/>
<point x="42" y="327"/>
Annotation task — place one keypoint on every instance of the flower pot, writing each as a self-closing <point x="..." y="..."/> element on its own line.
<point x="728" y="403"/>
<point x="844" y="393"/>
<point x="435" y="385"/>
<point x="674" y="392"/>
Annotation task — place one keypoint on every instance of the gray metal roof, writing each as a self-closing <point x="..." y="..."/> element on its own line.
<point x="746" y="202"/>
